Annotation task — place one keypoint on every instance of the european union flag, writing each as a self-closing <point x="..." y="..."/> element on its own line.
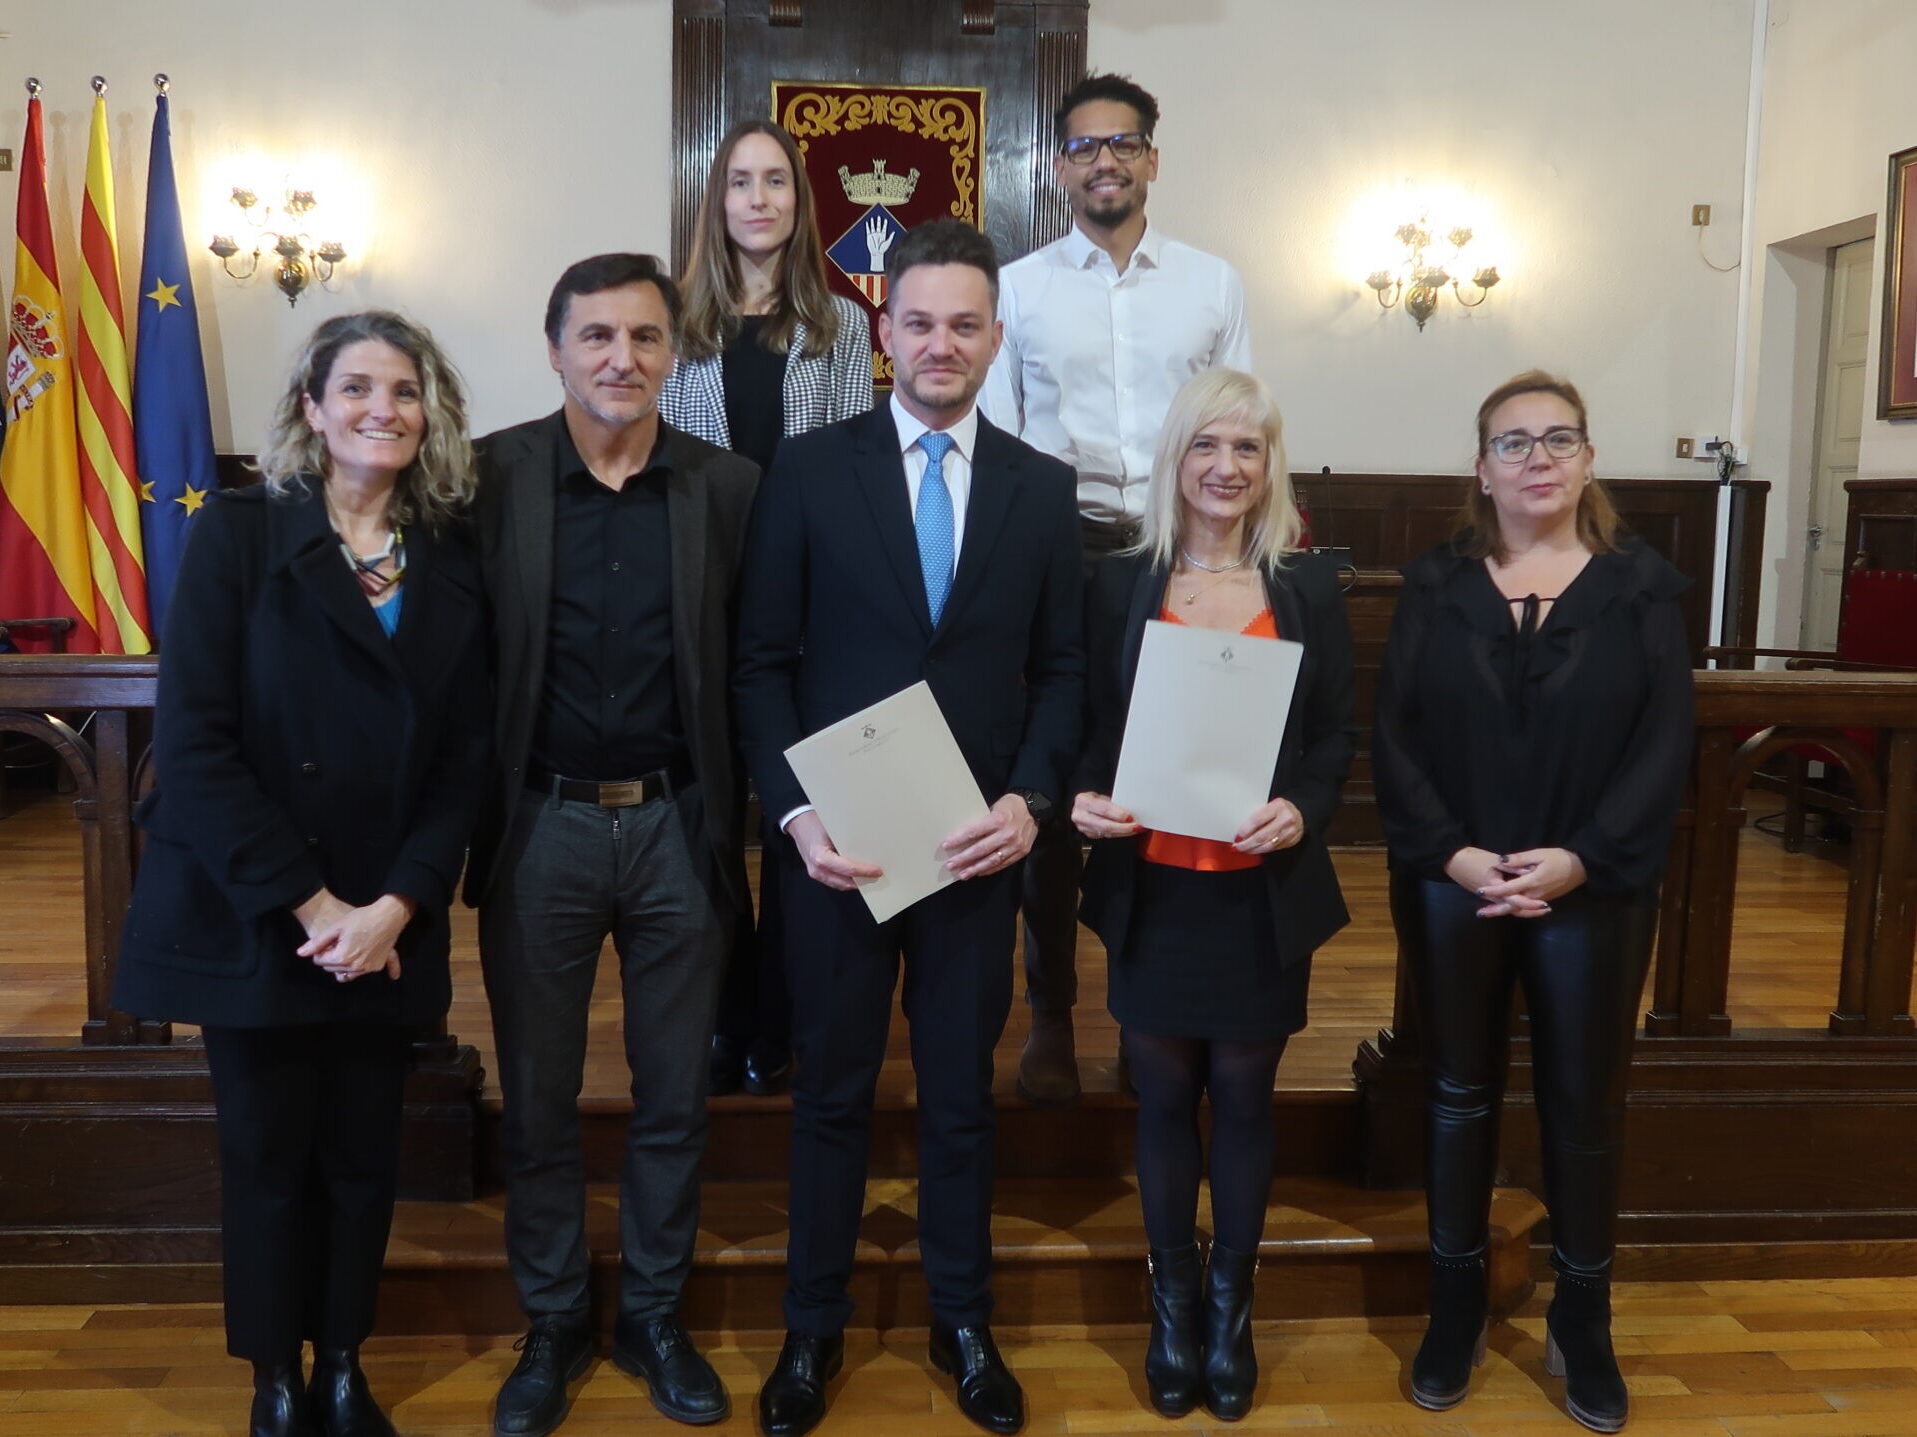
<point x="172" y="428"/>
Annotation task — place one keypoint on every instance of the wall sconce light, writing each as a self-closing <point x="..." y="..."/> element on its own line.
<point x="301" y="259"/>
<point x="1420" y="282"/>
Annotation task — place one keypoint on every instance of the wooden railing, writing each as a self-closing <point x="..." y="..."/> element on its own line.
<point x="1744" y="718"/>
<point x="106" y="770"/>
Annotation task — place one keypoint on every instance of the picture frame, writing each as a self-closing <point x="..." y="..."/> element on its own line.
<point x="1897" y="357"/>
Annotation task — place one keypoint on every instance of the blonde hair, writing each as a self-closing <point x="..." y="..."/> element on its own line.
<point x="1479" y="535"/>
<point x="1206" y="399"/>
<point x="439" y="482"/>
<point x="712" y="274"/>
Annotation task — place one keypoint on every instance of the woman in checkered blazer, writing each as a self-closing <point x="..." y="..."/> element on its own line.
<point x="766" y="350"/>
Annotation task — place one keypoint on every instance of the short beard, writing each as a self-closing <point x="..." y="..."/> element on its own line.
<point x="1113" y="210"/>
<point x="611" y="421"/>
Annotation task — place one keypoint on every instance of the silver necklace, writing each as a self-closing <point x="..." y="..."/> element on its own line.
<point x="1185" y="554"/>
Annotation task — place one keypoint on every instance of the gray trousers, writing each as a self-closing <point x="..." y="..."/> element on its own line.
<point x="576" y="874"/>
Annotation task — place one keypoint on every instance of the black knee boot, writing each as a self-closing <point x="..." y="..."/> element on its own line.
<point x="1577" y="1348"/>
<point x="1454" y="1341"/>
<point x="1173" y="1367"/>
<point x="1231" y="1363"/>
<point x="341" y="1403"/>
<point x="279" y="1400"/>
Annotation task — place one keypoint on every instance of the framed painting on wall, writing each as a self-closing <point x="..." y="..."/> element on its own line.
<point x="1897" y="362"/>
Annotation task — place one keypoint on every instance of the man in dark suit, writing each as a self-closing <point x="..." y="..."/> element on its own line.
<point x="609" y="545"/>
<point x="913" y="543"/>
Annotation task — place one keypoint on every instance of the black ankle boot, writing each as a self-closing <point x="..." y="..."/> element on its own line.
<point x="279" y="1400"/>
<point x="1577" y="1347"/>
<point x="1231" y="1363"/>
<point x="1454" y="1341"/>
<point x="339" y="1399"/>
<point x="1173" y="1367"/>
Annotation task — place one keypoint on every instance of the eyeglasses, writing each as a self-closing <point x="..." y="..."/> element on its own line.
<point x="1516" y="446"/>
<point x="1083" y="149"/>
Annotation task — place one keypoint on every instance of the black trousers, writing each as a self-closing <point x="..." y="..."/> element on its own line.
<point x="753" y="1004"/>
<point x="1583" y="970"/>
<point x="956" y="948"/>
<point x="309" y="1121"/>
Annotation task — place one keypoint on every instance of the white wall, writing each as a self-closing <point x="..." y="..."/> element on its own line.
<point x="1839" y="98"/>
<point x="499" y="139"/>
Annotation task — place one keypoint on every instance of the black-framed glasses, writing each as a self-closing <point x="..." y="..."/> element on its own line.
<point x="1515" y="446"/>
<point x="1083" y="149"/>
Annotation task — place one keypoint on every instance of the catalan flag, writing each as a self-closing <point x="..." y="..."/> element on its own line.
<point x="172" y="429"/>
<point x="44" y="569"/>
<point x="109" y="480"/>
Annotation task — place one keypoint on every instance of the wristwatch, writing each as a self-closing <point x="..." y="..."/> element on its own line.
<point x="1038" y="803"/>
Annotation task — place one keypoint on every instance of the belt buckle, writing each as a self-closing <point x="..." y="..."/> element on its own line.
<point x="622" y="795"/>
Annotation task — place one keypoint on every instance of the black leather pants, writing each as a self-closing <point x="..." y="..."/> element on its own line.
<point x="1583" y="969"/>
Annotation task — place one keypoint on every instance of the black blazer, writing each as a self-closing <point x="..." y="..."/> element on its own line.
<point x="1307" y="906"/>
<point x="833" y="614"/>
<point x="708" y="494"/>
<point x="297" y="746"/>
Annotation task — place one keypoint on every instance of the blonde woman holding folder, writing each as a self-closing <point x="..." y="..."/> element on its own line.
<point x="1210" y="943"/>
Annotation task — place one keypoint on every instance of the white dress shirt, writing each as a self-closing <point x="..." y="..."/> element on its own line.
<point x="1092" y="357"/>
<point x="958" y="481"/>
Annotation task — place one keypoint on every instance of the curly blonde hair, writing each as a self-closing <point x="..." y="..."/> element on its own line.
<point x="439" y="482"/>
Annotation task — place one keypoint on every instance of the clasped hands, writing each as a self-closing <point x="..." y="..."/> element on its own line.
<point x="1272" y="826"/>
<point x="351" y="942"/>
<point x="1520" y="885"/>
<point x="985" y="845"/>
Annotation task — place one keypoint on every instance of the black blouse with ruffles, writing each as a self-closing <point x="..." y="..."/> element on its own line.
<point x="1501" y="729"/>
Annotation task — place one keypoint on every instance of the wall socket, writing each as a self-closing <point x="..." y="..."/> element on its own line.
<point x="1700" y="214"/>
<point x="6" y="159"/>
<point x="1686" y="449"/>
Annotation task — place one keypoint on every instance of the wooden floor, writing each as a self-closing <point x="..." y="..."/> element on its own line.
<point x="1754" y="1359"/>
<point x="1789" y="924"/>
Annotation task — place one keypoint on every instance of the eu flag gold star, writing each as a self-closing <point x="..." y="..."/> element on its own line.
<point x="192" y="499"/>
<point x="164" y="294"/>
<point x="146" y="492"/>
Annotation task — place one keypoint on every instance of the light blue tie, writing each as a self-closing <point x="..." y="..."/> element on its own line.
<point x="933" y="522"/>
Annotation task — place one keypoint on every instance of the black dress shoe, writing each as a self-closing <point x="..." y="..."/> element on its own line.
<point x="556" y="1350"/>
<point x="279" y="1401"/>
<point x="768" y="1068"/>
<point x="339" y="1399"/>
<point x="987" y="1391"/>
<point x="725" y="1071"/>
<point x="792" y="1402"/>
<point x="680" y="1382"/>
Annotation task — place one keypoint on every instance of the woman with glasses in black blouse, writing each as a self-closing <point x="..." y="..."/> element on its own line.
<point x="1532" y="736"/>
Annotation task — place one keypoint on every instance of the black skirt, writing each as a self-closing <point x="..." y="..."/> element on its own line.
<point x="1200" y="960"/>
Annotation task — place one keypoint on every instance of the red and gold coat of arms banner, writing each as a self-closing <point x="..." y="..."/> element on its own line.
<point x="881" y="159"/>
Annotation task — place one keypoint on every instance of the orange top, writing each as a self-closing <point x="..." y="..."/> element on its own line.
<point x="1181" y="850"/>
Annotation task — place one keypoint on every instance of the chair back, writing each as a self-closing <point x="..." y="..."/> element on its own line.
<point x="1878" y="623"/>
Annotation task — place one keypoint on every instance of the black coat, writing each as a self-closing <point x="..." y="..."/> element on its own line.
<point x="298" y="747"/>
<point x="833" y="615"/>
<point x="1307" y="905"/>
<point x="708" y="495"/>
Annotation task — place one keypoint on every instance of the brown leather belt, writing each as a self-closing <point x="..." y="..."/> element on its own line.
<point x="627" y="793"/>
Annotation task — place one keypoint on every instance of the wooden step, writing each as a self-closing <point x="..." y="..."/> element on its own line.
<point x="1065" y="1252"/>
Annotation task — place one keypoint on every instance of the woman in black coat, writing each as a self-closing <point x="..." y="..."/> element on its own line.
<point x="319" y="746"/>
<point x="1533" y="733"/>
<point x="1210" y="943"/>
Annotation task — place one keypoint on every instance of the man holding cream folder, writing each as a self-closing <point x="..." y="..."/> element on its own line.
<point x="916" y="543"/>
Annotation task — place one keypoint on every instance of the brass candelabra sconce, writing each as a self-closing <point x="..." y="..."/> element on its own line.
<point x="1420" y="280"/>
<point x="301" y="259"/>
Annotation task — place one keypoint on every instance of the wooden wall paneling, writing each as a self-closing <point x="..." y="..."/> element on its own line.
<point x="700" y="105"/>
<point x="1880" y="531"/>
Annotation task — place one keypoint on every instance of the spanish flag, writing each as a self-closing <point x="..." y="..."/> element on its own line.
<point x="44" y="570"/>
<point x="109" y="481"/>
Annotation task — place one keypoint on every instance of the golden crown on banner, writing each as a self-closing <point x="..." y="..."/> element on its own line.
<point x="878" y="188"/>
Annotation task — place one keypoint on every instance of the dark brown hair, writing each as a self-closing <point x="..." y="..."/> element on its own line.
<point x="712" y="274"/>
<point x="610" y="271"/>
<point x="941" y="241"/>
<point x="1478" y="535"/>
<point x="1121" y="89"/>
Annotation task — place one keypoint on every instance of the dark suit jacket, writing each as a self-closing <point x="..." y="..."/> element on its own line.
<point x="708" y="495"/>
<point x="297" y="746"/>
<point x="1320" y="737"/>
<point x="833" y="614"/>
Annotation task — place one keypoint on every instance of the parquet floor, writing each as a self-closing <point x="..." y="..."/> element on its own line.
<point x="1733" y="1359"/>
<point x="1789" y="927"/>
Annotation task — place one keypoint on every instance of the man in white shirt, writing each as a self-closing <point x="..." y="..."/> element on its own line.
<point x="1102" y="328"/>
